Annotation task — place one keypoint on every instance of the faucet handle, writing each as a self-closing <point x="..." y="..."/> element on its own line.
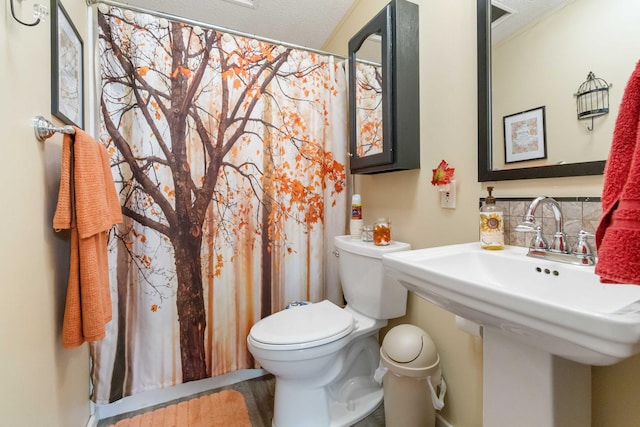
<point x="538" y="242"/>
<point x="582" y="248"/>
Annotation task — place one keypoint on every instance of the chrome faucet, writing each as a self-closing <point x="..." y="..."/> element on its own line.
<point x="581" y="254"/>
<point x="559" y="243"/>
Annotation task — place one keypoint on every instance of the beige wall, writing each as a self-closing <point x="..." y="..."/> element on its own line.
<point x="41" y="384"/>
<point x="449" y="131"/>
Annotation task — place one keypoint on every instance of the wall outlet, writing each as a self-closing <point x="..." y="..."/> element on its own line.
<point x="448" y="198"/>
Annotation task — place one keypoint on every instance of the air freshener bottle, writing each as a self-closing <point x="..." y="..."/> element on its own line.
<point x="491" y="224"/>
<point x="355" y="226"/>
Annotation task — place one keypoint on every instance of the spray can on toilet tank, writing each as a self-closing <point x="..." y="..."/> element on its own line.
<point x="355" y="226"/>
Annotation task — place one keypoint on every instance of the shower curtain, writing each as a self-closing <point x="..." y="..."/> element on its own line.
<point x="229" y="157"/>
<point x="368" y="86"/>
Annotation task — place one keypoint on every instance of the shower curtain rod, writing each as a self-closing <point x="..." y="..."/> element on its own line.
<point x="205" y="25"/>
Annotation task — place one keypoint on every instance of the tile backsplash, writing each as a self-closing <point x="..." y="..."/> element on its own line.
<point x="579" y="213"/>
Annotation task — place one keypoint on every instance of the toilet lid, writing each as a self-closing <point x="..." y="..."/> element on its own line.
<point x="312" y="324"/>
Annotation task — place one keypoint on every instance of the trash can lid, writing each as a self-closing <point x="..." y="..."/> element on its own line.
<point x="410" y="347"/>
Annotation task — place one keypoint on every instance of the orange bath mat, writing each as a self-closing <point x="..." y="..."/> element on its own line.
<point x="223" y="409"/>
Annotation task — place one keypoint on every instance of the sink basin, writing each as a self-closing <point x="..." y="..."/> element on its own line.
<point x="559" y="308"/>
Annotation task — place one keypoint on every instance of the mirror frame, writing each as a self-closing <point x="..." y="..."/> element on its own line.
<point x="485" y="171"/>
<point x="380" y="24"/>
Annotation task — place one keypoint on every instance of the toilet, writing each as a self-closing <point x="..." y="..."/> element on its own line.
<point x="324" y="357"/>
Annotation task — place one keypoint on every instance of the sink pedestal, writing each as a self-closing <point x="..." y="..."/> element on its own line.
<point x="527" y="387"/>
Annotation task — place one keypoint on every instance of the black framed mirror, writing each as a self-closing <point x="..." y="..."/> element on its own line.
<point x="486" y="171"/>
<point x="384" y="82"/>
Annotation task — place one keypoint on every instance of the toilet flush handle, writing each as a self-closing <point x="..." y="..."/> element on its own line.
<point x="336" y="253"/>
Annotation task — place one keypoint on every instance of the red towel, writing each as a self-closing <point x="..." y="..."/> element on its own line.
<point x="618" y="234"/>
<point x="88" y="205"/>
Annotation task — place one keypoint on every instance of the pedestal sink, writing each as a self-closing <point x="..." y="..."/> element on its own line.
<point x="544" y="324"/>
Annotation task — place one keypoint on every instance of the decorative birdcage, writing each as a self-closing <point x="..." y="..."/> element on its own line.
<point x="592" y="98"/>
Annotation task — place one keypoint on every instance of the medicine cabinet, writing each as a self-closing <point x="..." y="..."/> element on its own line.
<point x="384" y="104"/>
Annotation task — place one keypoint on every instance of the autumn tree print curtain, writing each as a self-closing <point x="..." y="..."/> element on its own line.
<point x="229" y="157"/>
<point x="369" y="108"/>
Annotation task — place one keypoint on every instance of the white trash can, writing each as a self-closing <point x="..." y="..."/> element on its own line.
<point x="411" y="375"/>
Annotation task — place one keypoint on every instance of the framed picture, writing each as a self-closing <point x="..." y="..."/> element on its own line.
<point x="525" y="136"/>
<point x="67" y="74"/>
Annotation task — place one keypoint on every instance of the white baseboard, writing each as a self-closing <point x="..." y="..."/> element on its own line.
<point x="93" y="421"/>
<point x="441" y="422"/>
<point x="155" y="397"/>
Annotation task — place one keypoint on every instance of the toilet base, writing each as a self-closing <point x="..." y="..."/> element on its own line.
<point x="367" y="404"/>
<point x="339" y="399"/>
<point x="315" y="408"/>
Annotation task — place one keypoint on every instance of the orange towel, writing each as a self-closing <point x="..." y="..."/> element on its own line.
<point x="88" y="205"/>
<point x="618" y="233"/>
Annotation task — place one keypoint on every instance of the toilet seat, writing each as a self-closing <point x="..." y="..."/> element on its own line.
<point x="303" y="327"/>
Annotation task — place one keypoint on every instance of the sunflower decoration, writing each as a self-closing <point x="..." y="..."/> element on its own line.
<point x="490" y="222"/>
<point x="442" y="175"/>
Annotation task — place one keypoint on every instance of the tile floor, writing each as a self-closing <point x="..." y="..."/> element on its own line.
<point x="258" y="395"/>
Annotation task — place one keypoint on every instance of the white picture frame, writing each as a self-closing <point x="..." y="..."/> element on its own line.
<point x="525" y="136"/>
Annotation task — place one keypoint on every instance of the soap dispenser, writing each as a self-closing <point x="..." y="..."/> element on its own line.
<point x="491" y="224"/>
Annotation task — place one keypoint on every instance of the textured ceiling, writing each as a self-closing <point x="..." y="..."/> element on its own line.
<point x="309" y="23"/>
<point x="305" y="23"/>
<point x="523" y="13"/>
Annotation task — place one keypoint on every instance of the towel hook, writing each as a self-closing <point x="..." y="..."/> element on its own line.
<point x="43" y="128"/>
<point x="40" y="12"/>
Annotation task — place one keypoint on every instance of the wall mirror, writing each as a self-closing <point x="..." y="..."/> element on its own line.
<point x="369" y="89"/>
<point x="384" y="135"/>
<point x="514" y="78"/>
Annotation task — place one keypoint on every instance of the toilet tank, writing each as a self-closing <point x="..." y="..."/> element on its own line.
<point x="366" y="287"/>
